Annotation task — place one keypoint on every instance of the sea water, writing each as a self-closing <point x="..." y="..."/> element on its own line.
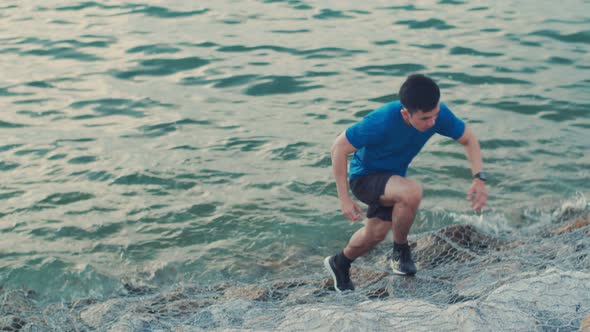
<point x="161" y="143"/>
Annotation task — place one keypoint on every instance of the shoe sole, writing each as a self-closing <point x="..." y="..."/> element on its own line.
<point x="329" y="268"/>
<point x="398" y="272"/>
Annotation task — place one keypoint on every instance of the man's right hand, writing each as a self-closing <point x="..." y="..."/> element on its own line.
<point x="351" y="209"/>
<point x="340" y="150"/>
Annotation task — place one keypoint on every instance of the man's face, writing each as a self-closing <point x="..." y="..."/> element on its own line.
<point x="421" y="120"/>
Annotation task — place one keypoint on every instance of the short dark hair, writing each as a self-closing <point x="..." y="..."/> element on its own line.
<point x="419" y="93"/>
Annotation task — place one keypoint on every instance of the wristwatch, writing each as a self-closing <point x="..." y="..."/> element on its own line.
<point x="481" y="175"/>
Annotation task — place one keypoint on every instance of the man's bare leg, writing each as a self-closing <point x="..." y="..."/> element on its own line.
<point x="374" y="231"/>
<point x="405" y="195"/>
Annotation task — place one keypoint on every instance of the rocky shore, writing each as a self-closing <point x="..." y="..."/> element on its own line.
<point x="468" y="280"/>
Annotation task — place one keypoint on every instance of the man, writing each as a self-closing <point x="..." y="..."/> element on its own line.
<point x="384" y="143"/>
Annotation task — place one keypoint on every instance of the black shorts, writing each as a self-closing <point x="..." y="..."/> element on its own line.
<point x="368" y="189"/>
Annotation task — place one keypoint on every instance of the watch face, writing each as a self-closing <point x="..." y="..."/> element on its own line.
<point x="481" y="176"/>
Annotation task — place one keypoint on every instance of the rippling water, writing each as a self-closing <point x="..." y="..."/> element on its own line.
<point x="161" y="142"/>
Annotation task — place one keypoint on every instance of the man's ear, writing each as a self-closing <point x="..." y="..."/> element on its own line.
<point x="405" y="114"/>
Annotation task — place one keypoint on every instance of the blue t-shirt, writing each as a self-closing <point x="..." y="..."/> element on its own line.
<point x="385" y="143"/>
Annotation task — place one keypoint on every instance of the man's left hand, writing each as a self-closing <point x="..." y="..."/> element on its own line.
<point x="477" y="194"/>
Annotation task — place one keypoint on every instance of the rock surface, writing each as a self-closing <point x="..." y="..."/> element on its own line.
<point x="249" y="292"/>
<point x="101" y="314"/>
<point x="585" y="324"/>
<point x="510" y="307"/>
<point x="467" y="281"/>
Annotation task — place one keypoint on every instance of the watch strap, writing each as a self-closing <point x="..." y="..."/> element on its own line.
<point x="480" y="175"/>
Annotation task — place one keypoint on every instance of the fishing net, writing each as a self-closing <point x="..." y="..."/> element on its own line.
<point x="533" y="278"/>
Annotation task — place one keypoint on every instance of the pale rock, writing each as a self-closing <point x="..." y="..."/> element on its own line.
<point x="562" y="293"/>
<point x="11" y="323"/>
<point x="249" y="292"/>
<point x="485" y="279"/>
<point x="585" y="324"/>
<point x="570" y="227"/>
<point x="134" y="322"/>
<point x="102" y="314"/>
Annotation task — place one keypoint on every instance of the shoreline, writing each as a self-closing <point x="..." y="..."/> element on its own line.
<point x="465" y="277"/>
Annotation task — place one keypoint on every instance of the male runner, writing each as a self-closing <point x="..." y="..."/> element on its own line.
<point x="384" y="143"/>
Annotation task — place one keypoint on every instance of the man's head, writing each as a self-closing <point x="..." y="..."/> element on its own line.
<point x="419" y="96"/>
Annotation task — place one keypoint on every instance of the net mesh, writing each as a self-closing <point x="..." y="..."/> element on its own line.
<point x="526" y="280"/>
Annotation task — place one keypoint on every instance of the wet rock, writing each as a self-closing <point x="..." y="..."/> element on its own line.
<point x="577" y="224"/>
<point x="185" y="295"/>
<point x="364" y="316"/>
<point x="222" y="286"/>
<point x="101" y="314"/>
<point x="233" y="313"/>
<point x="132" y="289"/>
<point x="561" y="293"/>
<point x="360" y="276"/>
<point x="11" y="323"/>
<point x="81" y="303"/>
<point x="585" y="324"/>
<point x="301" y="296"/>
<point x="326" y="318"/>
<point x="378" y="292"/>
<point x="175" y="308"/>
<point x="327" y="284"/>
<point x="405" y="287"/>
<point x="482" y="288"/>
<point x="249" y="292"/>
<point x="570" y="211"/>
<point x="372" y="283"/>
<point x="292" y="291"/>
<point x="175" y="295"/>
<point x="485" y="316"/>
<point x="17" y="301"/>
<point x="468" y="237"/>
<point x="528" y="302"/>
<point x="57" y="315"/>
<point x="432" y="251"/>
<point x="456" y="243"/>
<point x="189" y="305"/>
<point x="284" y="284"/>
<point x="363" y="277"/>
<point x="135" y="322"/>
<point x="486" y="279"/>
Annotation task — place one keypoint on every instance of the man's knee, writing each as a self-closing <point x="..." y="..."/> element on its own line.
<point x="402" y="190"/>
<point x="413" y="195"/>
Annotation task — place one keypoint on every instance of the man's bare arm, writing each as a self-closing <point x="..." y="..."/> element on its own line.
<point x="477" y="192"/>
<point x="340" y="151"/>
